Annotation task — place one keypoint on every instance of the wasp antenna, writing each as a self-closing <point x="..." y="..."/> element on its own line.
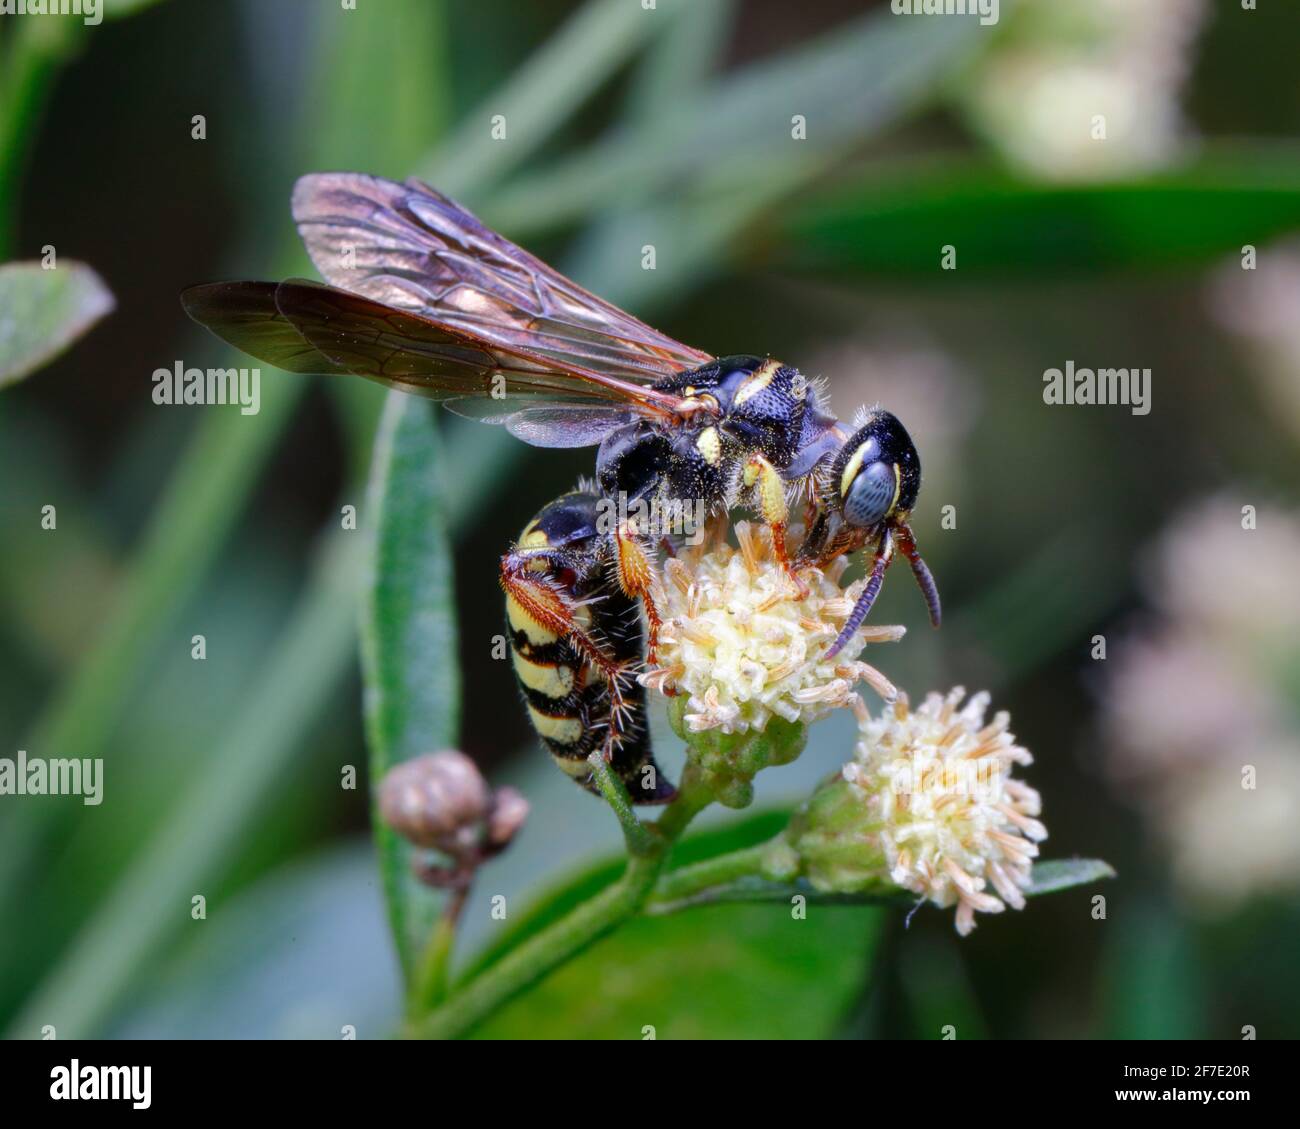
<point x="920" y="570"/>
<point x="863" y="606"/>
<point x="925" y="579"/>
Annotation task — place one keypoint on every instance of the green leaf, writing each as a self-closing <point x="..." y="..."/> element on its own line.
<point x="850" y="84"/>
<point x="571" y="892"/>
<point x="224" y="796"/>
<point x="120" y="9"/>
<point x="1061" y="874"/>
<point x="42" y="312"/>
<point x="892" y="221"/>
<point x="408" y="636"/>
<point x="729" y="972"/>
<point x="1153" y="977"/>
<point x="1047" y="878"/>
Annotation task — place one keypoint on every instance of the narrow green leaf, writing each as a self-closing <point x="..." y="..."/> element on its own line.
<point x="223" y="798"/>
<point x="1061" y="874"/>
<point x="42" y="312"/>
<point x="1048" y="877"/>
<point x="849" y="85"/>
<point x="120" y="9"/>
<point x="408" y="635"/>
<point x="545" y="91"/>
<point x="1153" y="982"/>
<point x="891" y="221"/>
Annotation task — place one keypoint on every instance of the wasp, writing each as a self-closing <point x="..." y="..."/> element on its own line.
<point x="576" y="642"/>
<point x="422" y="297"/>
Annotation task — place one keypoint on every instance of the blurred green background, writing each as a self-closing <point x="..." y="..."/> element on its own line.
<point x="822" y="244"/>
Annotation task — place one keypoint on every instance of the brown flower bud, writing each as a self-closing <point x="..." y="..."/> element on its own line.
<point x="509" y="810"/>
<point x="438" y="800"/>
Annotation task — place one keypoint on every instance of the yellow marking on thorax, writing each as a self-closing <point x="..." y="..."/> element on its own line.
<point x="566" y="730"/>
<point x="709" y="445"/>
<point x="534" y="538"/>
<point x="519" y="619"/>
<point x="852" y="467"/>
<point x="761" y="379"/>
<point x="553" y="681"/>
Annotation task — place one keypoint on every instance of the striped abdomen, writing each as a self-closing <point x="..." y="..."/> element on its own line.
<point x="568" y="698"/>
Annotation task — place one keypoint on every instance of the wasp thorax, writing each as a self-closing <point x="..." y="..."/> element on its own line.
<point x="877" y="473"/>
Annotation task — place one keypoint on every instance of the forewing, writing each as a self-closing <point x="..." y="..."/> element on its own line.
<point x="245" y="315"/>
<point x="426" y="357"/>
<point x="408" y="246"/>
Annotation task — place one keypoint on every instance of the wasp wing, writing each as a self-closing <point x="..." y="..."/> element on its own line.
<point x="546" y="424"/>
<point x="245" y="315"/>
<point x="306" y="327"/>
<point x="408" y="246"/>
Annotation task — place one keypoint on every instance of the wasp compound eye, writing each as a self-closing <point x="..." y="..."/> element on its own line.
<point x="871" y="494"/>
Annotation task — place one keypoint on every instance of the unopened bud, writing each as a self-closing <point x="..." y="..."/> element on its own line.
<point x="438" y="800"/>
<point x="509" y="810"/>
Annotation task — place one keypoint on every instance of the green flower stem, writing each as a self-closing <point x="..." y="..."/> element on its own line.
<point x="429" y="988"/>
<point x="691" y="880"/>
<point x="531" y="961"/>
<point x="635" y="833"/>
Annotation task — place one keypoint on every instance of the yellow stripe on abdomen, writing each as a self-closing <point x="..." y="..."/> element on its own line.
<point x="519" y="619"/>
<point x="565" y="730"/>
<point x="553" y="681"/>
<point x="577" y="767"/>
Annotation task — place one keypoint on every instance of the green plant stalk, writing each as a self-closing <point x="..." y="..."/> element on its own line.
<point x="638" y="837"/>
<point x="543" y="94"/>
<point x="688" y="881"/>
<point x="29" y="63"/>
<point x="560" y="942"/>
<point x="433" y="973"/>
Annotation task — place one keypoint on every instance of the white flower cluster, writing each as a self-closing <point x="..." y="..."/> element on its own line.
<point x="745" y="646"/>
<point x="950" y="819"/>
<point x="1088" y="88"/>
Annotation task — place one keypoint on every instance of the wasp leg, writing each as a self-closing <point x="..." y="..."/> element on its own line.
<point x="551" y="611"/>
<point x="774" y="511"/>
<point x="920" y="570"/>
<point x="884" y="552"/>
<point x="635" y="573"/>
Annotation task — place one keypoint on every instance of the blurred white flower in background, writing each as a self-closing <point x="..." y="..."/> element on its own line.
<point x="915" y="379"/>
<point x="1259" y="306"/>
<point x="1209" y="694"/>
<point x="1036" y="96"/>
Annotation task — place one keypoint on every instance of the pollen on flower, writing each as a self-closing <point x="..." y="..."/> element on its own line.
<point x="745" y="646"/>
<point x="951" y="821"/>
